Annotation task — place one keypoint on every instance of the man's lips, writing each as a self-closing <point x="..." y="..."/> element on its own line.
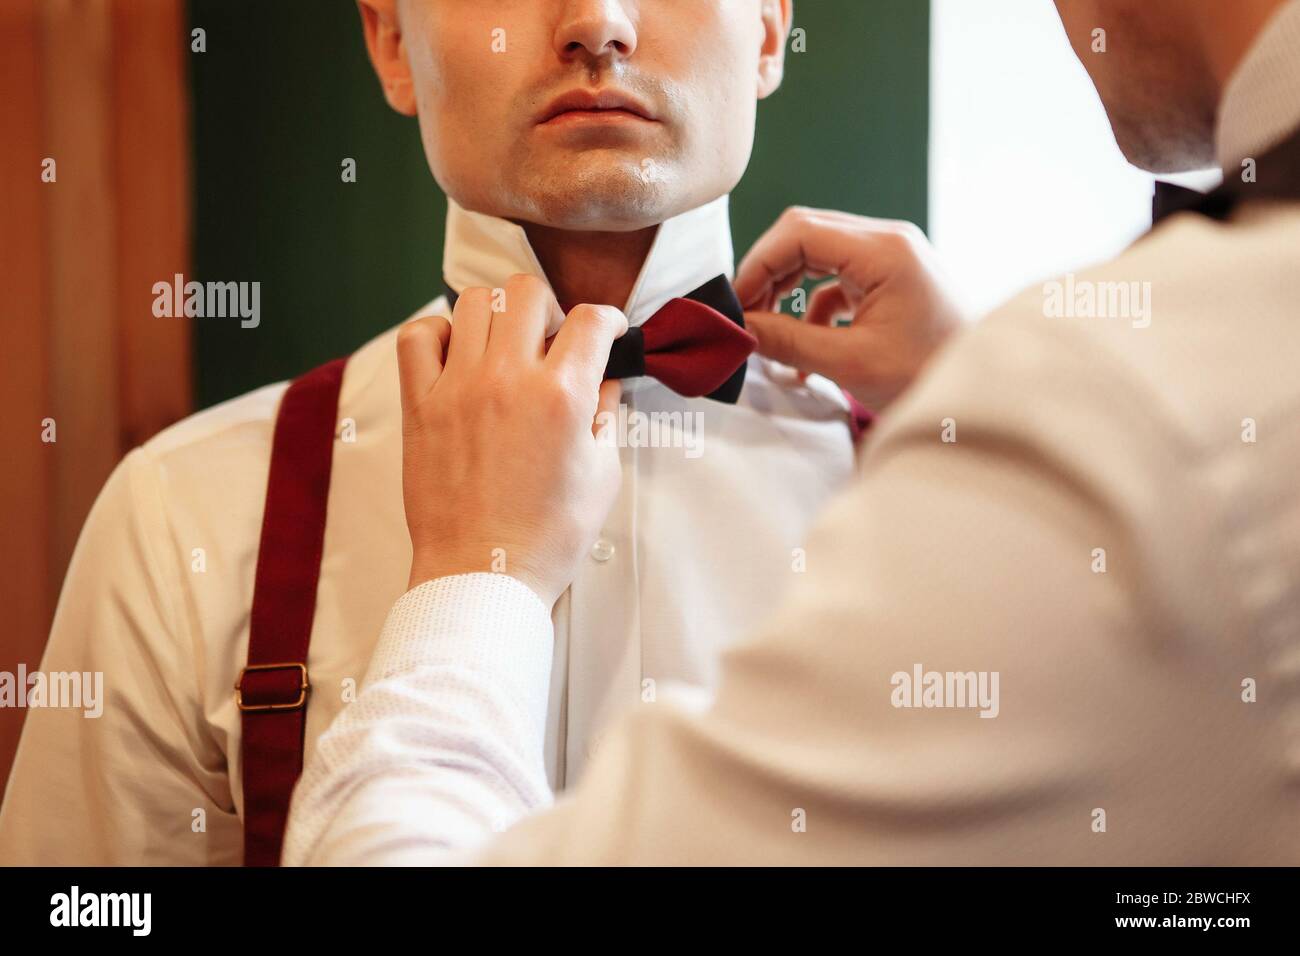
<point x="594" y="105"/>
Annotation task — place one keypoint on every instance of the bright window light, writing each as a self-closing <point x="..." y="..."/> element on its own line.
<point x="1026" y="181"/>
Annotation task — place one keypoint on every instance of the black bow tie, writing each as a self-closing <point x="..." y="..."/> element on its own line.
<point x="1171" y="198"/>
<point x="697" y="352"/>
<point x="1276" y="178"/>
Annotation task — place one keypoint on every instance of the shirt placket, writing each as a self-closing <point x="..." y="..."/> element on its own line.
<point x="605" y="625"/>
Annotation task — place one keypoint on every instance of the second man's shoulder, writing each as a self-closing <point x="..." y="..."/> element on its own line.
<point x="1195" y="324"/>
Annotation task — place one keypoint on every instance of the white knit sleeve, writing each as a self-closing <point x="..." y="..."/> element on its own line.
<point x="443" y="745"/>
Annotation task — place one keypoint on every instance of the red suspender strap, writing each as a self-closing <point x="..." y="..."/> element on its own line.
<point x="861" y="418"/>
<point x="272" y="690"/>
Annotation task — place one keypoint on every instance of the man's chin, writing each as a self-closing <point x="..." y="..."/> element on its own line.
<point x="1164" y="140"/>
<point x="623" y="198"/>
<point x="1168" y="154"/>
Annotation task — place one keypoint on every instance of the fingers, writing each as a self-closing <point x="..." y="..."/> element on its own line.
<point x="518" y="331"/>
<point x="827" y="302"/>
<point x="471" y="321"/>
<point x="510" y="322"/>
<point x="421" y="345"/>
<point x="815" y="242"/>
<point x="581" y="349"/>
<point x="801" y="240"/>
<point x="805" y="346"/>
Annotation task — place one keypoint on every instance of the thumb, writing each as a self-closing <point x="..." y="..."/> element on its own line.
<point x="802" y="345"/>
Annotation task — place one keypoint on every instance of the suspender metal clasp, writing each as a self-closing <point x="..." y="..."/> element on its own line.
<point x="303" y="688"/>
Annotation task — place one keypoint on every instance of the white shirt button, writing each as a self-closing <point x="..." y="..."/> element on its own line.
<point x="602" y="550"/>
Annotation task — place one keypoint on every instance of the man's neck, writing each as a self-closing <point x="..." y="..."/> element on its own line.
<point x="595" y="267"/>
<point x="1229" y="30"/>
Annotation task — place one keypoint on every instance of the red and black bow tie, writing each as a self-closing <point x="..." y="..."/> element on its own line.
<point x="696" y="345"/>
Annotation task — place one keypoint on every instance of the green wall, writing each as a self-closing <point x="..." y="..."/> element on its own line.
<point x="284" y="93"/>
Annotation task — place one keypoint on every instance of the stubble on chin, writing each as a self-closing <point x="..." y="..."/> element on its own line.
<point x="612" y="194"/>
<point x="1173" y="139"/>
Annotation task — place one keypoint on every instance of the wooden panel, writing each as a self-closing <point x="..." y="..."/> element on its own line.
<point x="26" y="591"/>
<point x="82" y="288"/>
<point x="152" y="189"/>
<point x="99" y="86"/>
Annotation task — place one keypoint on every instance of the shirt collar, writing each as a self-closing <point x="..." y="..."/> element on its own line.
<point x="1261" y="103"/>
<point x="687" y="252"/>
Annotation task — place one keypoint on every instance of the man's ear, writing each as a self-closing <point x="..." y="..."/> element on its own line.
<point x="778" y="15"/>
<point x="388" y="53"/>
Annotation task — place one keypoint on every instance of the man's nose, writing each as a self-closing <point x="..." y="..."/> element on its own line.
<point x="595" y="28"/>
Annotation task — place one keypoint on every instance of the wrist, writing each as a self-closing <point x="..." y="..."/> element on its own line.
<point x="432" y="569"/>
<point x="425" y="571"/>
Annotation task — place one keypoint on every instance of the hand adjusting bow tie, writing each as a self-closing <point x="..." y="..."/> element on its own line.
<point x="696" y="345"/>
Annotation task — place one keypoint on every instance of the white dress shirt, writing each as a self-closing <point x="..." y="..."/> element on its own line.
<point x="157" y="597"/>
<point x="1114" y="533"/>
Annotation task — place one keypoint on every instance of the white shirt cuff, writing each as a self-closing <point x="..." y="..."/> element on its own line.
<point x="444" y="743"/>
<point x="490" y="624"/>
